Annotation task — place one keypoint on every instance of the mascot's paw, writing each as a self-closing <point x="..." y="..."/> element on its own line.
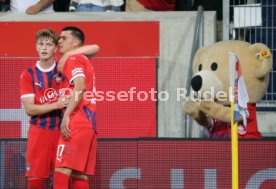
<point x="214" y="110"/>
<point x="190" y="107"/>
<point x="207" y="107"/>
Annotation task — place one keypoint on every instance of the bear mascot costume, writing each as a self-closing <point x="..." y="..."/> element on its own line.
<point x="211" y="74"/>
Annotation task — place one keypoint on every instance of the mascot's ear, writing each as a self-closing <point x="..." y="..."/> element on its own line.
<point x="263" y="58"/>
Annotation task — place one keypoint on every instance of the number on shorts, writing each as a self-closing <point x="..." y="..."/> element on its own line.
<point x="60" y="150"/>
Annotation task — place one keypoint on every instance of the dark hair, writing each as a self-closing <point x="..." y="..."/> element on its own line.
<point x="75" y="32"/>
<point x="47" y="33"/>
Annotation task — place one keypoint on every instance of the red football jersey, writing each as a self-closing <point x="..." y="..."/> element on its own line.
<point x="222" y="129"/>
<point x="84" y="113"/>
<point x="41" y="84"/>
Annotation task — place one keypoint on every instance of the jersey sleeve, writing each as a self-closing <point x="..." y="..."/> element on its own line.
<point x="74" y="67"/>
<point x="26" y="85"/>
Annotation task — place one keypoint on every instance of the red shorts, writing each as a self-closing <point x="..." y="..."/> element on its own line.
<point x="41" y="151"/>
<point x="79" y="151"/>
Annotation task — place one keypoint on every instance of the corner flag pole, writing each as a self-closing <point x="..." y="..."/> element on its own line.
<point x="234" y="125"/>
<point x="234" y="150"/>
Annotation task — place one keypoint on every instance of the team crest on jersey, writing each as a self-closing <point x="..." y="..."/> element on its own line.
<point x="76" y="70"/>
<point x="57" y="77"/>
<point x="28" y="166"/>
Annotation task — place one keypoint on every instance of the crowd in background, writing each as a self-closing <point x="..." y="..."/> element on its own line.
<point x="36" y="6"/>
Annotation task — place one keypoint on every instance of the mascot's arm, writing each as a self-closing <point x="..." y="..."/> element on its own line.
<point x="215" y="111"/>
<point x="191" y="108"/>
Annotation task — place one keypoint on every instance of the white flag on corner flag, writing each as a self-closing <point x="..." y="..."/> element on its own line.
<point x="239" y="93"/>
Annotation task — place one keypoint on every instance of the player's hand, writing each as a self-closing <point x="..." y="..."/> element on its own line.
<point x="64" y="127"/>
<point x="62" y="102"/>
<point x="34" y="9"/>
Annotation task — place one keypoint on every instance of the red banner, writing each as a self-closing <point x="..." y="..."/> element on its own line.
<point x="165" y="164"/>
<point x="130" y="39"/>
<point x="184" y="164"/>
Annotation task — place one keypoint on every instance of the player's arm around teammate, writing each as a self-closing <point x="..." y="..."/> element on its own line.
<point x="87" y="50"/>
<point x="33" y="109"/>
<point x="40" y="97"/>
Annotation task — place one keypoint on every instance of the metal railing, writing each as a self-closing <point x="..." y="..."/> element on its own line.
<point x="198" y="41"/>
<point x="254" y="21"/>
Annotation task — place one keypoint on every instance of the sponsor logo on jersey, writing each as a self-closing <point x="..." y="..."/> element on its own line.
<point x="50" y="95"/>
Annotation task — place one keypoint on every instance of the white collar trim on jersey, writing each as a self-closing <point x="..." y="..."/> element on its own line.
<point x="45" y="70"/>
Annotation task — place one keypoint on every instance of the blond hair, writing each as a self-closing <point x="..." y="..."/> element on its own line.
<point x="47" y="33"/>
